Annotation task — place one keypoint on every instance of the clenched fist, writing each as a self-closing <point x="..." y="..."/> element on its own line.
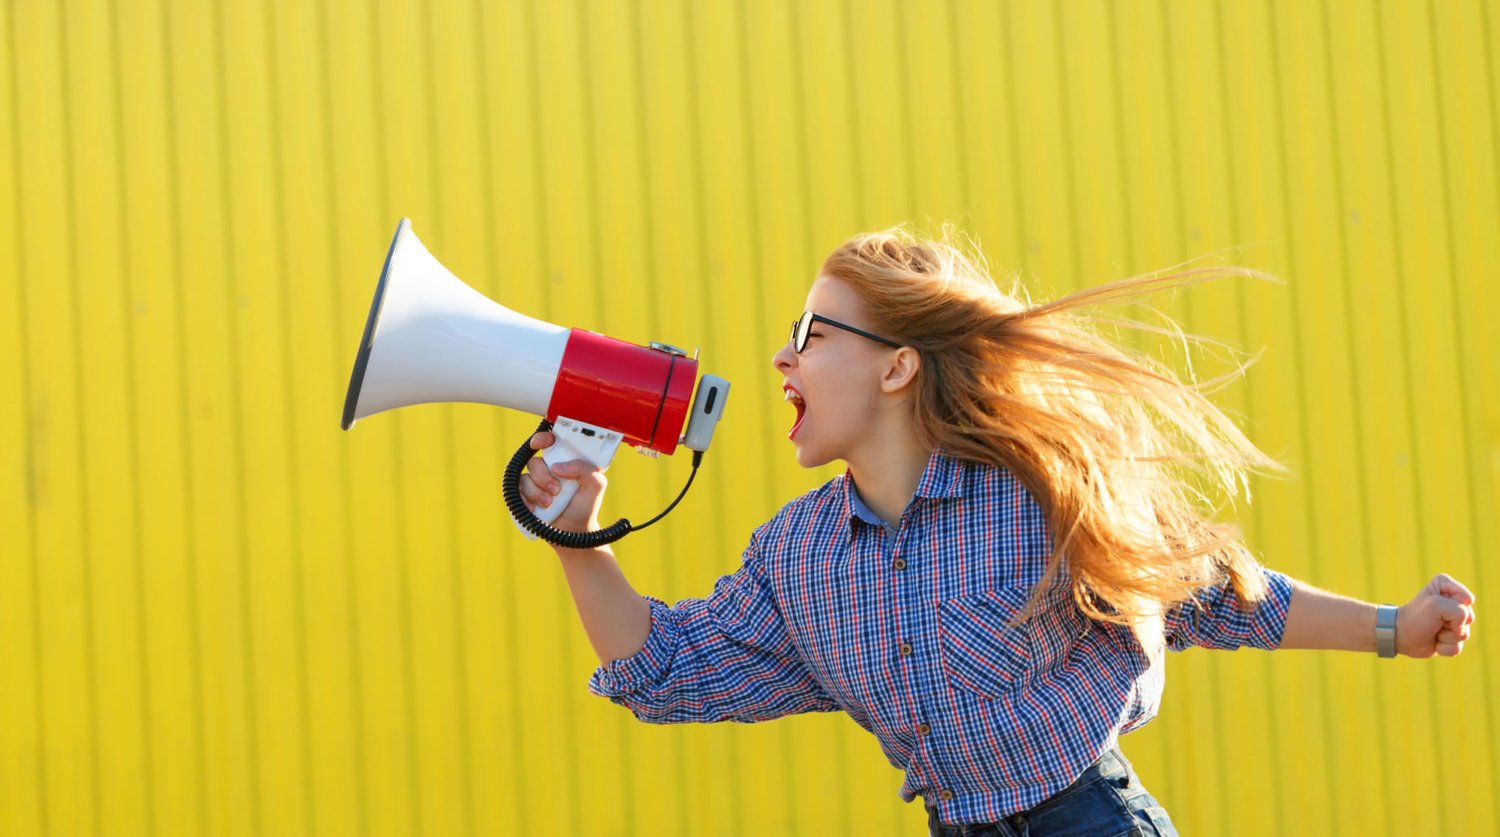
<point x="1436" y="621"/>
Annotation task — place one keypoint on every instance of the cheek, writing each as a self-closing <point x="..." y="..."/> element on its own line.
<point x="845" y="392"/>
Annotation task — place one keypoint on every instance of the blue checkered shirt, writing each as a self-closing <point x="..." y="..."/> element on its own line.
<point x="905" y="629"/>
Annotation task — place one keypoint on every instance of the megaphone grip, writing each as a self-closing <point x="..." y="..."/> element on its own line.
<point x="511" y="488"/>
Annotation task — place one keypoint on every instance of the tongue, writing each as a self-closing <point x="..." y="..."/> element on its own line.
<point x="801" y="414"/>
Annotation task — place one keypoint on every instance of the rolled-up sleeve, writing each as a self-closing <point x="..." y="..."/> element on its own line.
<point x="1218" y="619"/>
<point x="727" y="657"/>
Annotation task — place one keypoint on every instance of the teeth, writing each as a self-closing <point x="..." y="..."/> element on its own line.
<point x="788" y="395"/>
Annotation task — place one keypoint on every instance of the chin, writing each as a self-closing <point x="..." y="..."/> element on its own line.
<point x="811" y="458"/>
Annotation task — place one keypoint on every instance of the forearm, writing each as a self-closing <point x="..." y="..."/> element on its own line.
<point x="1324" y="620"/>
<point x="615" y="617"/>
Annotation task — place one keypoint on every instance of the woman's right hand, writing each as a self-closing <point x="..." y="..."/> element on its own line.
<point x="540" y="485"/>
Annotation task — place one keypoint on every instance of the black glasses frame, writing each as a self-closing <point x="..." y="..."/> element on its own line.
<point x="803" y="325"/>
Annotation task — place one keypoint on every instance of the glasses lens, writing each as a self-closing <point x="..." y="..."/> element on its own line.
<point x="800" y="330"/>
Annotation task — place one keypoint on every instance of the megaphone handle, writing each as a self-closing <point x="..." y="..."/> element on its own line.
<point x="575" y="440"/>
<point x="534" y="527"/>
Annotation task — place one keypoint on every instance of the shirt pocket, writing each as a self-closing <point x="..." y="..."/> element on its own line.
<point x="981" y="651"/>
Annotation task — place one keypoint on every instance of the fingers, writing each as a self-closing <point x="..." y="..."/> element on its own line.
<point x="539" y="487"/>
<point x="533" y="494"/>
<point x="581" y="513"/>
<point x="1450" y="636"/>
<point x="1456" y="619"/>
<point x="541" y="484"/>
<point x="1451" y="611"/>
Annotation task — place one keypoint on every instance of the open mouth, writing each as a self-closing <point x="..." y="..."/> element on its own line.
<point x="789" y="394"/>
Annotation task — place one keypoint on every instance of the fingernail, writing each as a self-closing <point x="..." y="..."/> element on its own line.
<point x="554" y="488"/>
<point x="546" y="501"/>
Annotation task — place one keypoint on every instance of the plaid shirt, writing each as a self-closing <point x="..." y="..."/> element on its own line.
<point x="904" y="628"/>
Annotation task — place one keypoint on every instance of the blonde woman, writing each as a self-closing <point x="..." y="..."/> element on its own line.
<point x="1020" y="533"/>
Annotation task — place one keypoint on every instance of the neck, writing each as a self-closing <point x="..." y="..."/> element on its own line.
<point x="887" y="472"/>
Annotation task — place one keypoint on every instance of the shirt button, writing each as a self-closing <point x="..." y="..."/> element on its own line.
<point x="946" y="794"/>
<point x="899" y="563"/>
<point x="905" y="649"/>
<point x="924" y="729"/>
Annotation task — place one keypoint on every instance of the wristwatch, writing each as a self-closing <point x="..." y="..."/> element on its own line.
<point x="1385" y="630"/>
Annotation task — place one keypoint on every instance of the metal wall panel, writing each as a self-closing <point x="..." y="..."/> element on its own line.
<point x="224" y="616"/>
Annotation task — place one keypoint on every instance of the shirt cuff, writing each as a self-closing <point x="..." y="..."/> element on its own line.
<point x="621" y="677"/>
<point x="1217" y="618"/>
<point x="1270" y="615"/>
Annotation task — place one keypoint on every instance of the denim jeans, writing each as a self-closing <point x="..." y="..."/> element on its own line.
<point x="1108" y="800"/>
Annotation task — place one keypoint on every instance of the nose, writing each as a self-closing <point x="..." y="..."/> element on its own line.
<point x="784" y="358"/>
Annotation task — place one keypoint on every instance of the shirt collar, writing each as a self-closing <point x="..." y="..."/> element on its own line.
<point x="942" y="477"/>
<point x="858" y="509"/>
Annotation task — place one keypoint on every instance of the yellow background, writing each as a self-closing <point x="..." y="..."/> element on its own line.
<point x="219" y="614"/>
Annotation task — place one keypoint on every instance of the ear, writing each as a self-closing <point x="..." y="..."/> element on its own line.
<point x="901" y="372"/>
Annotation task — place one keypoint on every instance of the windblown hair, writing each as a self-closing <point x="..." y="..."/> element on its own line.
<point x="1124" y="457"/>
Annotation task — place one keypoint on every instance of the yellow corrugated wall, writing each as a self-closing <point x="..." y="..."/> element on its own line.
<point x="219" y="614"/>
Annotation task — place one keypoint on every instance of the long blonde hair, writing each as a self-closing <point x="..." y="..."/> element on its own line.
<point x="1123" y="456"/>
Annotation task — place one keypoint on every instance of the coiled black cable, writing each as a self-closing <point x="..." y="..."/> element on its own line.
<point x="510" y="486"/>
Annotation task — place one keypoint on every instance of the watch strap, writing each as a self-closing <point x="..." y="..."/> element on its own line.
<point x="1385" y="630"/>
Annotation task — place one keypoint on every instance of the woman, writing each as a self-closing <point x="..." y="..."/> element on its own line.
<point x="1020" y="533"/>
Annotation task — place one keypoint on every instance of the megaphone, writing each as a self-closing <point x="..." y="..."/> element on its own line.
<point x="431" y="338"/>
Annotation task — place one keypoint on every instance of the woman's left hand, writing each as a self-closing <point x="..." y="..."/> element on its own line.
<point x="1436" y="620"/>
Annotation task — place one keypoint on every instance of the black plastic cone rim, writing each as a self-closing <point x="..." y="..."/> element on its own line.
<point x="362" y="360"/>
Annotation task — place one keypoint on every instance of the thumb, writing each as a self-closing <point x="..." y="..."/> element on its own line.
<point x="1448" y="587"/>
<point x="575" y="469"/>
<point x="590" y="479"/>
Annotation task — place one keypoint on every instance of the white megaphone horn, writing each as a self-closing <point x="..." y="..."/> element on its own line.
<point x="431" y="338"/>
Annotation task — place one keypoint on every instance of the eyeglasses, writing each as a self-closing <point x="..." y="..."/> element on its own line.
<point x="803" y="324"/>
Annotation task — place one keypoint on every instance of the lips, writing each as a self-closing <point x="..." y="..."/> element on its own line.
<point x="790" y="393"/>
